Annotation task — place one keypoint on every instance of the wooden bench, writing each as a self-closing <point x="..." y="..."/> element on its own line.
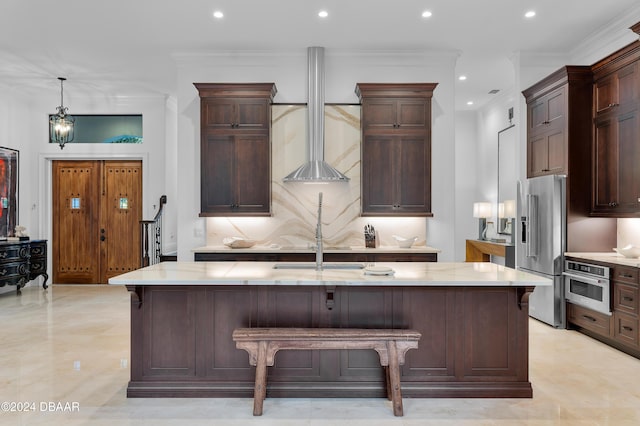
<point x="263" y="343"/>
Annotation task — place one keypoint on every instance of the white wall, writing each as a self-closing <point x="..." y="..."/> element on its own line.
<point x="466" y="185"/>
<point x="27" y="130"/>
<point x="343" y="70"/>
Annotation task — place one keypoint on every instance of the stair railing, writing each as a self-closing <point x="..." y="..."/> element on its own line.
<point x="151" y="237"/>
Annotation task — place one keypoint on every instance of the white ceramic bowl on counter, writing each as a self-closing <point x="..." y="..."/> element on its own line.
<point x="238" y="242"/>
<point x="628" y="251"/>
<point x="405" y="242"/>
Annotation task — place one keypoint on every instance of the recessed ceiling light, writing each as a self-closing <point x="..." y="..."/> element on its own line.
<point x="470" y="103"/>
<point x="426" y="14"/>
<point x="530" y="14"/>
<point x="462" y="78"/>
<point x="218" y="14"/>
<point x="323" y="14"/>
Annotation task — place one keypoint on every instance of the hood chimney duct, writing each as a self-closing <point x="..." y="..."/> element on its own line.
<point x="316" y="169"/>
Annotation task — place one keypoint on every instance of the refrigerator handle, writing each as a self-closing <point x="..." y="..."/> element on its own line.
<point x="531" y="249"/>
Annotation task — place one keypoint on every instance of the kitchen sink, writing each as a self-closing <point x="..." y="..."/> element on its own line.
<point x="303" y="265"/>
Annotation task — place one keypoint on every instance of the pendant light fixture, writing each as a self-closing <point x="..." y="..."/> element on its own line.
<point x="61" y="124"/>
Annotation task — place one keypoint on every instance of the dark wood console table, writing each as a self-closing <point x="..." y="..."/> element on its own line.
<point x="23" y="261"/>
<point x="481" y="251"/>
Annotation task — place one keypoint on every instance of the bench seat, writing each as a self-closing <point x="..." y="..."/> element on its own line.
<point x="263" y="343"/>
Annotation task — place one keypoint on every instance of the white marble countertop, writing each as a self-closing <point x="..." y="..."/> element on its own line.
<point x="608" y="257"/>
<point x="299" y="249"/>
<point x="262" y="273"/>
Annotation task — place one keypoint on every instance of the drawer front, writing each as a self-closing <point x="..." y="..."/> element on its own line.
<point x="38" y="249"/>
<point x="591" y="320"/>
<point x="624" y="274"/>
<point x="625" y="329"/>
<point x="625" y="298"/>
<point x="17" y="252"/>
<point x="37" y="266"/>
<point x="13" y="273"/>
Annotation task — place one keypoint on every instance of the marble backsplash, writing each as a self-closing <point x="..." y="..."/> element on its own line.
<point x="295" y="205"/>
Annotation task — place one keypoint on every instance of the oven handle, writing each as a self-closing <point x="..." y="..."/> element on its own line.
<point x="584" y="278"/>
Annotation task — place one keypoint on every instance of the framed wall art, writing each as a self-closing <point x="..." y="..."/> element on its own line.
<point x="8" y="191"/>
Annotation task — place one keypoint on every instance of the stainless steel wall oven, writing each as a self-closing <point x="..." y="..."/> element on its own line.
<point x="588" y="285"/>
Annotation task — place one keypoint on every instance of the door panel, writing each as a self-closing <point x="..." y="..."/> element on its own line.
<point x="97" y="206"/>
<point x="121" y="213"/>
<point x="75" y="221"/>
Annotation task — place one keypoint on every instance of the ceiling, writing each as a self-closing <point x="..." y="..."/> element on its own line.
<point x="124" y="47"/>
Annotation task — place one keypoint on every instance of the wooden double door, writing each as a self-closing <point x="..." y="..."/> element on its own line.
<point x="97" y="207"/>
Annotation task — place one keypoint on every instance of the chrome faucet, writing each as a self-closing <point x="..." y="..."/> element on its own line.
<point x="319" y="254"/>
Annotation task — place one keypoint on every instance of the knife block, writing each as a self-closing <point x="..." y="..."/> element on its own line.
<point x="370" y="240"/>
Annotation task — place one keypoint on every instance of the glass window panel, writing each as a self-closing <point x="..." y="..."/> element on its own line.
<point x="75" y="203"/>
<point x="107" y="128"/>
<point x="124" y="203"/>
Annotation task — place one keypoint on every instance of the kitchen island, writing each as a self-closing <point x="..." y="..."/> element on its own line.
<point x="473" y="318"/>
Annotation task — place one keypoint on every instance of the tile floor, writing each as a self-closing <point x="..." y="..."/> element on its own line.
<point x="67" y="348"/>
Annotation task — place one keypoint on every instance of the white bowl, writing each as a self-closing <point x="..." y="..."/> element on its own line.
<point x="238" y="242"/>
<point x="629" y="251"/>
<point x="405" y="242"/>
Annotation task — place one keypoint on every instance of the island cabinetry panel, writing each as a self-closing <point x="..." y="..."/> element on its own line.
<point x="616" y="147"/>
<point x="557" y="108"/>
<point x="235" y="148"/>
<point x="472" y="345"/>
<point x="396" y="148"/>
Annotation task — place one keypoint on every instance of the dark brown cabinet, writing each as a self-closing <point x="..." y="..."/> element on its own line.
<point x="616" y="142"/>
<point x="23" y="261"/>
<point x="396" y="148"/>
<point x="621" y="328"/>
<point x="557" y="109"/>
<point x="235" y="149"/>
<point x="625" y="306"/>
<point x="284" y="256"/>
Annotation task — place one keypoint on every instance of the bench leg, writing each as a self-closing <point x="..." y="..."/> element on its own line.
<point x="394" y="378"/>
<point x="260" y="389"/>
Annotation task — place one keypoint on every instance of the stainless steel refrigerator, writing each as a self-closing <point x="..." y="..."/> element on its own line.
<point x="541" y="243"/>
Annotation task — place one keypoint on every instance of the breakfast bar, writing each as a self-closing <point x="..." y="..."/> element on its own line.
<point x="472" y="317"/>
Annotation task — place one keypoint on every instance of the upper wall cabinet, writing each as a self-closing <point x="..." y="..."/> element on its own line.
<point x="557" y="109"/>
<point x="616" y="141"/>
<point x="235" y="148"/>
<point x="396" y="148"/>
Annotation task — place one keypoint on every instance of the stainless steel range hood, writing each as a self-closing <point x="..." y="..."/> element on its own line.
<point x="316" y="169"/>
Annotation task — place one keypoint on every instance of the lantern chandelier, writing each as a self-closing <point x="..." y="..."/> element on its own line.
<point x="60" y="123"/>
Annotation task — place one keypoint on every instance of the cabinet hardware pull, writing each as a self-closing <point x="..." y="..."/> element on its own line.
<point x="626" y="275"/>
<point x="613" y="204"/>
<point x="590" y="318"/>
<point x="627" y="299"/>
<point x="626" y="328"/>
<point x="546" y="122"/>
<point x="3" y="272"/>
<point x="3" y="254"/>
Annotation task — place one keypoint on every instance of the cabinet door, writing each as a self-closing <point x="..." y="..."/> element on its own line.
<point x="252" y="174"/>
<point x="413" y="186"/>
<point x="231" y="113"/>
<point x="379" y="166"/>
<point x="616" y="175"/>
<point x="617" y="92"/>
<point x="547" y="112"/>
<point x="235" y="174"/>
<point x="396" y="175"/>
<point x="404" y="114"/>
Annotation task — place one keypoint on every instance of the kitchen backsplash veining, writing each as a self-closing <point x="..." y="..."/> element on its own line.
<point x="294" y="205"/>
